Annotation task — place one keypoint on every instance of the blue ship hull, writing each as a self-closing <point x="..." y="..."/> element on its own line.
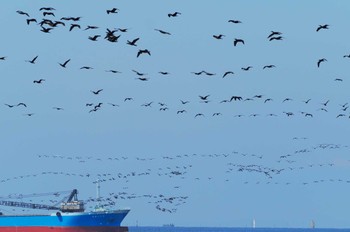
<point x="100" y="221"/>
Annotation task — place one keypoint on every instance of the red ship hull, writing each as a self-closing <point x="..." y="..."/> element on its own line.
<point x="63" y="229"/>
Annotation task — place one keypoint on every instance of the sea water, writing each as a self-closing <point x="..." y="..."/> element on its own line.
<point x="224" y="229"/>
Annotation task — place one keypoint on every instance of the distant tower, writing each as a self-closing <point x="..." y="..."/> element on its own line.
<point x="253" y="225"/>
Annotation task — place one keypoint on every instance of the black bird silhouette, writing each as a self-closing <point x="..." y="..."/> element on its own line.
<point x="236" y="98"/>
<point x="139" y="73"/>
<point x="22" y="13"/>
<point x="38" y="81"/>
<point x="132" y="42"/>
<point x="144" y="51"/>
<point x="122" y="29"/>
<point x="96" y="92"/>
<point x="112" y="11"/>
<point x="163" y="32"/>
<point x="46" y="8"/>
<point x="71" y="18"/>
<point x="94" y="38"/>
<point x="307" y="101"/>
<point x="181" y="111"/>
<point x="113" y="71"/>
<point x="143" y="78"/>
<point x="198" y="73"/>
<point x="199" y="114"/>
<point x="64" y="64"/>
<point x="2" y="57"/>
<point x="320" y="61"/>
<point x="204" y="97"/>
<point x="33" y="60"/>
<point x="86" y="67"/>
<point x="273" y="33"/>
<point x="48" y="13"/>
<point x="21" y="104"/>
<point x="46" y="30"/>
<point x="10" y="106"/>
<point x="30" y="21"/>
<point x="325" y="26"/>
<point x="247" y="68"/>
<point x="74" y="25"/>
<point x="147" y="104"/>
<point x="90" y="27"/>
<point x="276" y="38"/>
<point x="234" y="21"/>
<point x="128" y="99"/>
<point x="175" y="14"/>
<point x="269" y="66"/>
<point x="226" y="73"/>
<point x="325" y="103"/>
<point x="164" y="73"/>
<point x="57" y="108"/>
<point x="218" y="36"/>
<point x="236" y="41"/>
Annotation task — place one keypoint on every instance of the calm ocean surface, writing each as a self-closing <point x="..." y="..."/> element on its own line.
<point x="223" y="229"/>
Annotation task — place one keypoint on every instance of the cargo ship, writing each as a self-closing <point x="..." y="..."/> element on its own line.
<point x="70" y="216"/>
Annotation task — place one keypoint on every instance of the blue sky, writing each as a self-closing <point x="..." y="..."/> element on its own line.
<point x="219" y="170"/>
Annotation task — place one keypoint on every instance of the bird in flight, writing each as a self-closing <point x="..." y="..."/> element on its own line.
<point x="45" y="13"/>
<point x="46" y="30"/>
<point x="22" y="104"/>
<point x="63" y="65"/>
<point x="227" y="73"/>
<point x="113" y="71"/>
<point x="139" y="73"/>
<point x="22" y="13"/>
<point x="199" y="114"/>
<point x="276" y="38"/>
<point x="38" y="81"/>
<point x="204" y="97"/>
<point x="47" y="8"/>
<point x="220" y="36"/>
<point x="143" y="78"/>
<point x="31" y="21"/>
<point x="236" y="41"/>
<point x="32" y="61"/>
<point x="269" y="66"/>
<point x="247" y="68"/>
<point x="143" y="51"/>
<point x="164" y="73"/>
<point x="234" y="21"/>
<point x="325" y="26"/>
<point x="112" y="11"/>
<point x="93" y="38"/>
<point x="163" y="32"/>
<point x="96" y="92"/>
<point x="175" y="14"/>
<point x="90" y="27"/>
<point x="273" y="33"/>
<point x="74" y="25"/>
<point x="320" y="61"/>
<point x="132" y="42"/>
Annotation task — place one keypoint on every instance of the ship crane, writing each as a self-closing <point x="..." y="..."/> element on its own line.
<point x="72" y="204"/>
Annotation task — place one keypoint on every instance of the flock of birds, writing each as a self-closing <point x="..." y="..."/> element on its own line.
<point x="52" y="22"/>
<point x="187" y="168"/>
<point x="259" y="166"/>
